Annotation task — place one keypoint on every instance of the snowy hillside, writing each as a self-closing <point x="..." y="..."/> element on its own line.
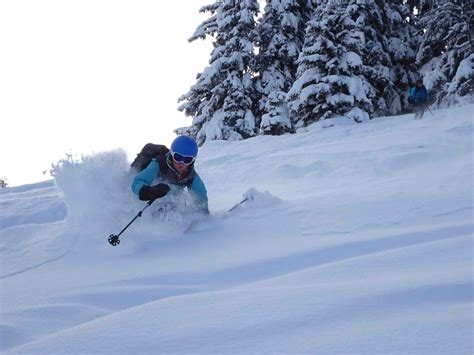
<point x="356" y="238"/>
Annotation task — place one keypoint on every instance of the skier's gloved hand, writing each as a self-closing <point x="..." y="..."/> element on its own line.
<point x="151" y="193"/>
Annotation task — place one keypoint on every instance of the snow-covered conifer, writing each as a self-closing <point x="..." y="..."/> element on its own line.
<point x="329" y="80"/>
<point x="445" y="52"/>
<point x="222" y="100"/>
<point x="400" y="39"/>
<point x="281" y="31"/>
<point x="418" y="6"/>
<point x="353" y="62"/>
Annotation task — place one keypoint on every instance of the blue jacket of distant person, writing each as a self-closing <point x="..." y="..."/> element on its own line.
<point x="418" y="95"/>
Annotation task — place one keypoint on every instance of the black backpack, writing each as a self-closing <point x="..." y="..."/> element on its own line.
<point x="148" y="152"/>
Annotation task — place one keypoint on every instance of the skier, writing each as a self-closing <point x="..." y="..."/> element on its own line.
<point x="174" y="166"/>
<point x="418" y="98"/>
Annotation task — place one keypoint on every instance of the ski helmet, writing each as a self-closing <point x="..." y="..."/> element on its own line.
<point x="185" y="145"/>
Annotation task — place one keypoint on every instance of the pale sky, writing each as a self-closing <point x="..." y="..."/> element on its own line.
<point x="83" y="76"/>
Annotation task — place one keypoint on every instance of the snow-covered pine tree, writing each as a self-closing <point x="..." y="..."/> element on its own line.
<point x="446" y="51"/>
<point x="3" y="182"/>
<point x="401" y="41"/>
<point x="330" y="76"/>
<point x="222" y="100"/>
<point x="281" y="31"/>
<point x="350" y="64"/>
<point x="418" y="6"/>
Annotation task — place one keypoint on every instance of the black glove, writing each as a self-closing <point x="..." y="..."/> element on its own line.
<point x="151" y="193"/>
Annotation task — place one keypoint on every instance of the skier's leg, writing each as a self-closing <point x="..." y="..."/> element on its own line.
<point x="417" y="110"/>
<point x="422" y="110"/>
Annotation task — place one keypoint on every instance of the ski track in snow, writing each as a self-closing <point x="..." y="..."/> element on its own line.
<point x="363" y="230"/>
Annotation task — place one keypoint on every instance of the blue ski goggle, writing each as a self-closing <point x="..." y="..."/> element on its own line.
<point x="185" y="159"/>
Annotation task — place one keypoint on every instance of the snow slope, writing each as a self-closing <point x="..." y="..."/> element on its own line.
<point x="355" y="239"/>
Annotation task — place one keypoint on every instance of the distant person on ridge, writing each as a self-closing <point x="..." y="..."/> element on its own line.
<point x="418" y="98"/>
<point x="169" y="166"/>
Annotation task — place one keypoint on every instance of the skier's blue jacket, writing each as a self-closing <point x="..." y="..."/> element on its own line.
<point x="418" y="95"/>
<point x="192" y="181"/>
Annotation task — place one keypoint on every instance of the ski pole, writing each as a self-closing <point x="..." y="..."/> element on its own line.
<point x="114" y="238"/>
<point x="427" y="107"/>
<point x="238" y="204"/>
